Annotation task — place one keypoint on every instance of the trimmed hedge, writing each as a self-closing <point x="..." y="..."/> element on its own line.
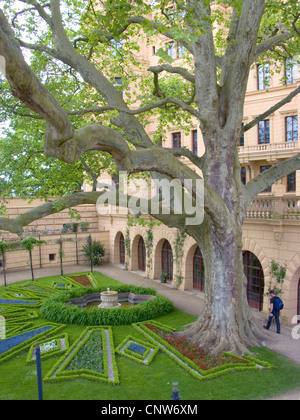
<point x="135" y="356"/>
<point x="190" y="366"/>
<point x="55" y="309"/>
<point x="59" y="371"/>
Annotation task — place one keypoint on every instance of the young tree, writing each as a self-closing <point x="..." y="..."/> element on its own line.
<point x="97" y="43"/>
<point x="4" y="247"/>
<point x="29" y="243"/>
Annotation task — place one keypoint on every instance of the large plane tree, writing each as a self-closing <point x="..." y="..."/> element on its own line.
<point x="72" y="67"/>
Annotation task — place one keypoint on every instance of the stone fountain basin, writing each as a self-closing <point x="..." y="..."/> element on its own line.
<point x="83" y="301"/>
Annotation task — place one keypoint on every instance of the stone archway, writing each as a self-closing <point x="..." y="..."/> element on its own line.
<point x="163" y="260"/>
<point x="194" y="271"/>
<point x="255" y="280"/>
<point x="292" y="288"/>
<point x="263" y="264"/>
<point x="119" y="249"/>
<point x="138" y="254"/>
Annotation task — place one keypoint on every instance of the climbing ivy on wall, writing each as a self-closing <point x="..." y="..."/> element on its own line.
<point x="179" y="250"/>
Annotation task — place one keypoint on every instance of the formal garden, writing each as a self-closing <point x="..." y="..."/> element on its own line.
<point x="133" y="351"/>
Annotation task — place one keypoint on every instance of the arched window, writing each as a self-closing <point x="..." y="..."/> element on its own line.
<point x="256" y="282"/>
<point x="198" y="270"/>
<point x="122" y="249"/>
<point x="141" y="255"/>
<point x="167" y="260"/>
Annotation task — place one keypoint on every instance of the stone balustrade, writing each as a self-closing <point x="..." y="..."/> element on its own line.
<point x="286" y="208"/>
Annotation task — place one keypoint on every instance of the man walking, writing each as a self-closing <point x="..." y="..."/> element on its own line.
<point x="276" y="306"/>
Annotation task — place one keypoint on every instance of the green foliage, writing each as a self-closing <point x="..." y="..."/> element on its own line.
<point x="245" y="363"/>
<point x="93" y="250"/>
<point x="55" y="308"/>
<point x="278" y="273"/>
<point x="30" y="242"/>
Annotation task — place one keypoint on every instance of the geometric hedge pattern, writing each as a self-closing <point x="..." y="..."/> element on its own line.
<point x="93" y="355"/>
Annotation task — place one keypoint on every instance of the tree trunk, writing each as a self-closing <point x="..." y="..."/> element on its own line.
<point x="226" y="323"/>
<point x="4" y="267"/>
<point x="31" y="265"/>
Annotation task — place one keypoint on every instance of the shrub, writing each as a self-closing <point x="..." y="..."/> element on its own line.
<point x="55" y="309"/>
<point x="93" y="250"/>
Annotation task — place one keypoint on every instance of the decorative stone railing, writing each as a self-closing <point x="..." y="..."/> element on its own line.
<point x="287" y="208"/>
<point x="269" y="147"/>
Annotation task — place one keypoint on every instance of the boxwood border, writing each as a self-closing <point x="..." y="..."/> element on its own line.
<point x="189" y="365"/>
<point x="135" y="356"/>
<point x="59" y="368"/>
<point x="55" y="307"/>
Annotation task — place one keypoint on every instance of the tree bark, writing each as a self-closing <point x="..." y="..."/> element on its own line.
<point x="226" y="323"/>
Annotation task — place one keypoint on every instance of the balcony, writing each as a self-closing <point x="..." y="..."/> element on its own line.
<point x="283" y="208"/>
<point x="269" y="151"/>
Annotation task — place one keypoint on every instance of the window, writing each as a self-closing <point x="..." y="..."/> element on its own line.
<point x="51" y="257"/>
<point x="291" y="128"/>
<point x="181" y="51"/>
<point x="264" y="132"/>
<point x="176" y="140"/>
<point x="141" y="255"/>
<point x="242" y="138"/>
<point x="243" y="176"/>
<point x="256" y="282"/>
<point x="263" y="76"/>
<point x="122" y="251"/>
<point x="291" y="182"/>
<point x="263" y="169"/>
<point x="198" y="271"/>
<point x="116" y="47"/>
<point x="167" y="260"/>
<point x="171" y="49"/>
<point x="291" y="71"/>
<point x="195" y="141"/>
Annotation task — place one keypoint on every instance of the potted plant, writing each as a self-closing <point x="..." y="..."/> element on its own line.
<point x="163" y="277"/>
<point x="84" y="226"/>
<point x="93" y="251"/>
<point x="75" y="227"/>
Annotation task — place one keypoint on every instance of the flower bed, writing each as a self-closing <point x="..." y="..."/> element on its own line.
<point x="199" y="364"/>
<point x="137" y="350"/>
<point x="203" y="359"/>
<point x="90" y="355"/>
<point x="50" y="347"/>
<point x="83" y="280"/>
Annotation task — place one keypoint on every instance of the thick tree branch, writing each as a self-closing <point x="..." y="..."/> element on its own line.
<point x="40" y="9"/>
<point x="28" y="88"/>
<point x="267" y="178"/>
<point x="271" y="42"/>
<point x="170" y="69"/>
<point x="238" y="58"/>
<point x="88" y="71"/>
<point x="183" y="151"/>
<point x="205" y="63"/>
<point x="271" y="110"/>
<point x="149" y="107"/>
<point x="137" y="205"/>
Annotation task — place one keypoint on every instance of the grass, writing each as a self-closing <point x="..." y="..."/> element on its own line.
<point x="154" y="382"/>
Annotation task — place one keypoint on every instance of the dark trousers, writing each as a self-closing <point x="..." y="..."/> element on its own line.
<point x="275" y="314"/>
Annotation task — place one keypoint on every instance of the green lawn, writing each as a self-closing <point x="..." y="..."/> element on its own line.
<point x="154" y="382"/>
